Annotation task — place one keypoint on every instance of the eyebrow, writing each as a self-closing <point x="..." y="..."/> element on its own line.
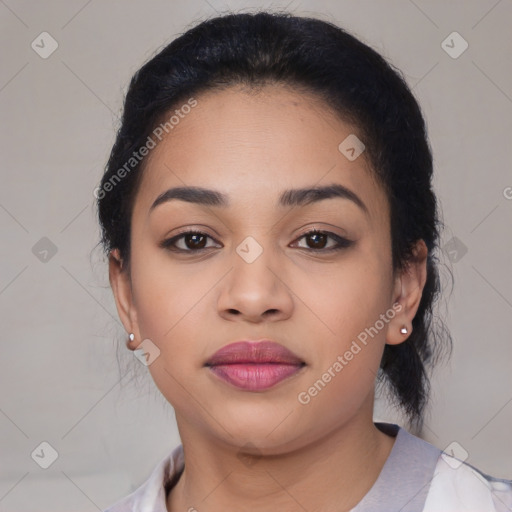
<point x="291" y="197"/>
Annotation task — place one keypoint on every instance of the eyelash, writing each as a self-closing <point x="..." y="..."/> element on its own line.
<point x="342" y="243"/>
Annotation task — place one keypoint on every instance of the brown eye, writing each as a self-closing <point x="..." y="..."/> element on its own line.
<point x="318" y="240"/>
<point x="195" y="241"/>
<point x="189" y="241"/>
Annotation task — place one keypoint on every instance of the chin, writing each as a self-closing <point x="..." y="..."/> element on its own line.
<point x="267" y="428"/>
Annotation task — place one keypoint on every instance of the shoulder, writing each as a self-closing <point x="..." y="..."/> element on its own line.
<point x="439" y="482"/>
<point x="459" y="487"/>
<point x="127" y="504"/>
<point x="151" y="495"/>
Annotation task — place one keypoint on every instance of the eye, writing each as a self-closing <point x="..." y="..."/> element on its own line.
<point x="191" y="241"/>
<point x="320" y="239"/>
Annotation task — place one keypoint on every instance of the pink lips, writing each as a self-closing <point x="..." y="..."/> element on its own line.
<point x="254" y="366"/>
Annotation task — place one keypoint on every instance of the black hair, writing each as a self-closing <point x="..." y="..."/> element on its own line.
<point x="353" y="80"/>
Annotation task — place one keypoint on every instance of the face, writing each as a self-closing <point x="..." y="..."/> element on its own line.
<point x="254" y="270"/>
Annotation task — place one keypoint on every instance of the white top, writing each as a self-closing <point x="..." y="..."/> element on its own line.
<point x="417" y="477"/>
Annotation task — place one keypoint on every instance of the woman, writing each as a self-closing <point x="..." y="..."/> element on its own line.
<point x="271" y="228"/>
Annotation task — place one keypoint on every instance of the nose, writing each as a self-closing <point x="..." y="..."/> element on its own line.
<point x="256" y="291"/>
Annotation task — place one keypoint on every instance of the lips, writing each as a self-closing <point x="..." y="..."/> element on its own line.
<point x="254" y="352"/>
<point x="254" y="365"/>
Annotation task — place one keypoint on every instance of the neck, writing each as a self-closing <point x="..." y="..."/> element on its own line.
<point x="333" y="473"/>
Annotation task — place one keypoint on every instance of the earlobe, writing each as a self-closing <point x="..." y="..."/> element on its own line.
<point x="121" y="288"/>
<point x="408" y="291"/>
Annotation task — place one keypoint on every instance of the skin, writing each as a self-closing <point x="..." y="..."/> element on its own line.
<point x="321" y="456"/>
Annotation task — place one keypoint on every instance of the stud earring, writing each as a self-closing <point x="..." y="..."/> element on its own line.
<point x="131" y="336"/>
<point x="403" y="330"/>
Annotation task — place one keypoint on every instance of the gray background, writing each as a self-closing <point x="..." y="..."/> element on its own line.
<point x="61" y="379"/>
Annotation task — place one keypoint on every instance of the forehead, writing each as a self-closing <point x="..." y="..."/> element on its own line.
<point x="252" y="145"/>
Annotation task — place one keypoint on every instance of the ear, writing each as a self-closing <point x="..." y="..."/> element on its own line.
<point x="120" y="283"/>
<point x="407" y="292"/>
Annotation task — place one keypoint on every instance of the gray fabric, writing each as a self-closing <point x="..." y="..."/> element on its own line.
<point x="404" y="480"/>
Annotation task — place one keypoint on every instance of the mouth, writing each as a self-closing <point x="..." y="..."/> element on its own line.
<point x="254" y="366"/>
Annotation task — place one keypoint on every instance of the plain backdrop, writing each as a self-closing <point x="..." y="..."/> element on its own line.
<point x="61" y="379"/>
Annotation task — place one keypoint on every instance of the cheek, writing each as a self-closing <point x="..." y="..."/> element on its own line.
<point x="169" y="301"/>
<point x="351" y="297"/>
<point x="347" y="359"/>
<point x="166" y="293"/>
<point x="168" y="305"/>
<point x="352" y="314"/>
